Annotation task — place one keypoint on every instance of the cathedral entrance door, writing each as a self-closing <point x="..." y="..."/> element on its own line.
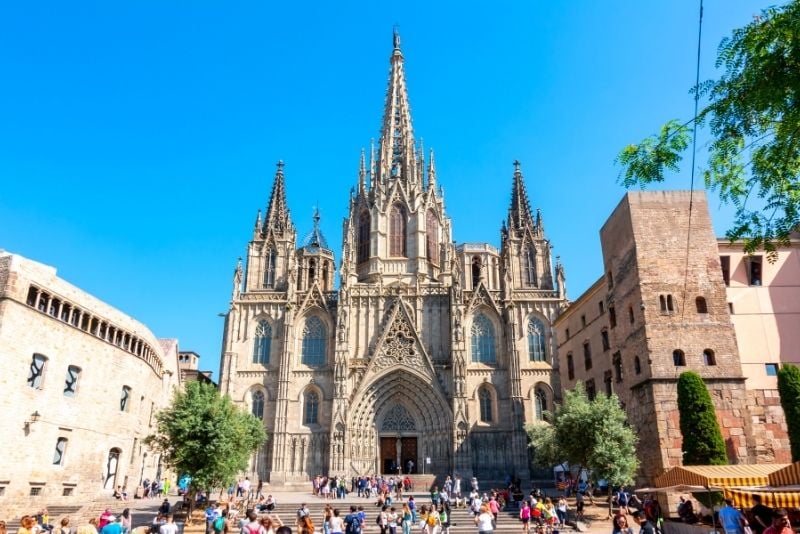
<point x="408" y="455"/>
<point x="388" y="460"/>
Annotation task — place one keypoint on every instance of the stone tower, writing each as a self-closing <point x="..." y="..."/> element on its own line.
<point x="429" y="356"/>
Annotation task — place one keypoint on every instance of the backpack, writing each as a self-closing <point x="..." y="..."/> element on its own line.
<point x="219" y="524"/>
<point x="351" y="524"/>
<point x="378" y="521"/>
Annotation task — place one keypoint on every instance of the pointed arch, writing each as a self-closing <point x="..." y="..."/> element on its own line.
<point x="311" y="407"/>
<point x="257" y="403"/>
<point x="483" y="340"/>
<point x="262" y="342"/>
<point x="364" y="227"/>
<point x="269" y="267"/>
<point x="314" y="340"/>
<point x="486" y="404"/>
<point x="432" y="237"/>
<point x="476" y="271"/>
<point x="397" y="231"/>
<point x="537" y="348"/>
<point x="539" y="403"/>
<point x="528" y="259"/>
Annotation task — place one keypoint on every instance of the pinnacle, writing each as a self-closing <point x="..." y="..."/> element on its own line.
<point x="519" y="213"/>
<point x="277" y="216"/>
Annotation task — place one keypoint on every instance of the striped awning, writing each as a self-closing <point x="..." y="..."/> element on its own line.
<point x="787" y="476"/>
<point x="719" y="475"/>
<point x="779" y="497"/>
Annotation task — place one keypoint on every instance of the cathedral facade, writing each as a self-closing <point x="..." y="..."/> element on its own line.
<point x="429" y="356"/>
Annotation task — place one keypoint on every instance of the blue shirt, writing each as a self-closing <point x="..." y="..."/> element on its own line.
<point x="728" y="516"/>
<point x="112" y="528"/>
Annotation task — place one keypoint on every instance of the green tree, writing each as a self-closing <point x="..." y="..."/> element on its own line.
<point x="204" y="435"/>
<point x="591" y="434"/>
<point x="702" y="439"/>
<point x="789" y="389"/>
<point x="753" y="116"/>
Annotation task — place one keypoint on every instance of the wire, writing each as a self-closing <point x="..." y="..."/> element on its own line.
<point x="694" y="157"/>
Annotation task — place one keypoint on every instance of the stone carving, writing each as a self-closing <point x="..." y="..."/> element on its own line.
<point x="398" y="420"/>
<point x="399" y="347"/>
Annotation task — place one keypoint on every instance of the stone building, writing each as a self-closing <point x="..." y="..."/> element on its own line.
<point x="430" y="355"/>
<point x="82" y="382"/>
<point x="662" y="308"/>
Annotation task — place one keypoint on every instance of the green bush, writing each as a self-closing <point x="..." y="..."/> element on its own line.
<point x="789" y="389"/>
<point x="702" y="439"/>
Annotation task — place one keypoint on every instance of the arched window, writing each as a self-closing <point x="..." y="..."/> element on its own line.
<point x="258" y="404"/>
<point x="363" y="237"/>
<point x="476" y="271"/>
<point x="709" y="358"/>
<point x="311" y="409"/>
<point x="269" y="268"/>
<point x="397" y="231"/>
<point x="262" y="342"/>
<point x="678" y="358"/>
<point x="432" y="237"/>
<point x="483" y="340"/>
<point x="485" y="401"/>
<point x="702" y="307"/>
<point x="536" y="347"/>
<point x="314" y="335"/>
<point x="540" y="403"/>
<point x="312" y="271"/>
<point x="528" y="267"/>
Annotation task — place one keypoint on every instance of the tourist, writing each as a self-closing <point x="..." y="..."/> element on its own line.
<point x="731" y="519"/>
<point x="579" y="505"/>
<point x="383" y="519"/>
<point x="114" y="526"/>
<point x="494" y="507"/>
<point x="550" y="513"/>
<point x="621" y="525"/>
<point x="391" y="520"/>
<point x="26" y="524"/>
<point x="3" y="528"/>
<point x="327" y="513"/>
<point x="762" y="515"/>
<point x="430" y="524"/>
<point x="253" y="525"/>
<point x="412" y="505"/>
<point x="125" y="520"/>
<point x="780" y="523"/>
<point x="525" y="516"/>
<point x="621" y="497"/>
<point x="444" y="518"/>
<point x="336" y="524"/>
<point x="220" y="524"/>
<point x="407" y="519"/>
<point x="271" y="523"/>
<point x="484" y="520"/>
<point x="645" y="526"/>
<point x="561" y="510"/>
<point x="283" y="529"/>
<point x="352" y="522"/>
<point x="164" y="508"/>
<point x="169" y="527"/>
<point x="105" y="518"/>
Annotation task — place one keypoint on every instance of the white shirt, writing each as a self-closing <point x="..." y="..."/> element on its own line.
<point x="485" y="522"/>
<point x="168" y="528"/>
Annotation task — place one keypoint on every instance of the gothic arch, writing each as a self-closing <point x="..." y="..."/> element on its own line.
<point x="546" y="332"/>
<point x="246" y="396"/>
<point x="483" y="392"/>
<point x="474" y="329"/>
<point x="541" y="388"/>
<point x="309" y="321"/>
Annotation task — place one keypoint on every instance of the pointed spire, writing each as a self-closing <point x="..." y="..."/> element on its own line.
<point x="519" y="213"/>
<point x="362" y="174"/>
<point x="432" y="173"/>
<point x="278" y="219"/>
<point x="372" y="176"/>
<point x="258" y="221"/>
<point x="315" y="239"/>
<point x="397" y="138"/>
<point x="539" y="222"/>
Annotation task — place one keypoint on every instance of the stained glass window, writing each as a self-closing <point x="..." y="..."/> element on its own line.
<point x="314" y="335"/>
<point x="311" y="410"/>
<point x="528" y="267"/>
<point x="258" y="404"/>
<point x="540" y="402"/>
<point x="483" y="350"/>
<point x="432" y="237"/>
<point x="536" y="346"/>
<point x="269" y="268"/>
<point x="262" y="342"/>
<point x="397" y="231"/>
<point x="485" y="400"/>
<point x="363" y="237"/>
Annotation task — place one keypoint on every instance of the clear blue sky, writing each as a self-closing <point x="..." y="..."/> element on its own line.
<point x="138" y="139"/>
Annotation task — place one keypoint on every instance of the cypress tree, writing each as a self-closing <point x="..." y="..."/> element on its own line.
<point x="702" y="439"/>
<point x="789" y="389"/>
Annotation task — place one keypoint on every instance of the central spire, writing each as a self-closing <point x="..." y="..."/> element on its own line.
<point x="396" y="159"/>
<point x="519" y="213"/>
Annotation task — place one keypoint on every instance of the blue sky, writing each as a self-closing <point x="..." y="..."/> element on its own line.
<point x="137" y="140"/>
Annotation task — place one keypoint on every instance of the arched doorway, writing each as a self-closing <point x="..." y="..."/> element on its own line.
<point x="398" y="416"/>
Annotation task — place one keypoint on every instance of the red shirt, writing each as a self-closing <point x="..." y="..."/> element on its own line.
<point x="772" y="529"/>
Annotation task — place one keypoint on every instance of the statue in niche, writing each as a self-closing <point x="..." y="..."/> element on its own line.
<point x="458" y="328"/>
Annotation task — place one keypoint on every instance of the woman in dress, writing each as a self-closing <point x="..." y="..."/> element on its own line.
<point x="484" y="520"/>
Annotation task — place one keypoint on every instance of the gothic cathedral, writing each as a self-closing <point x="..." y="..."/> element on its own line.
<point x="429" y="356"/>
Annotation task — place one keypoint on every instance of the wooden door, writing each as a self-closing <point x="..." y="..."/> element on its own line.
<point x="388" y="453"/>
<point x="408" y="451"/>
